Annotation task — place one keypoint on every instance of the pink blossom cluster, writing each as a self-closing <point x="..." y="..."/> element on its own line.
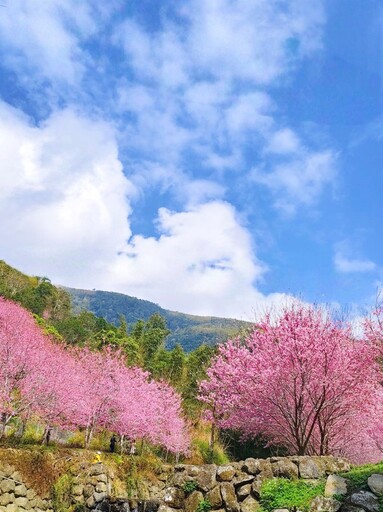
<point x="302" y="382"/>
<point x="80" y="388"/>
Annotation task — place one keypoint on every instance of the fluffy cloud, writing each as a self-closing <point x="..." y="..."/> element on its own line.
<point x="347" y="265"/>
<point x="208" y="258"/>
<point x="63" y="200"/>
<point x="66" y="203"/>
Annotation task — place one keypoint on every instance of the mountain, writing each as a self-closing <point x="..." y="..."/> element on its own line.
<point x="190" y="331"/>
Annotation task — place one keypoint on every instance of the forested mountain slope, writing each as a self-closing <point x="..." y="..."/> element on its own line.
<point x="190" y="331"/>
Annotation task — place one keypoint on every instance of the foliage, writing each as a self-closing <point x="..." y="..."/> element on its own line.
<point x="358" y="475"/>
<point x="189" y="487"/>
<point x="81" y="388"/>
<point x="301" y="382"/>
<point x="215" y="456"/>
<point x="280" y="493"/>
<point x="189" y="331"/>
<point x="204" y="506"/>
<point x="62" y="494"/>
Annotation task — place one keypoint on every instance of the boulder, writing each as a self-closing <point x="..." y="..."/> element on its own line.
<point x="229" y="497"/>
<point x="214" y="497"/>
<point x="375" y="483"/>
<point x="322" y="504"/>
<point x="165" y="508"/>
<point x="225" y="473"/>
<point x="242" y="478"/>
<point x="5" y="499"/>
<point x="255" y="466"/>
<point x="285" y="468"/>
<point x="192" y="501"/>
<point x="7" y="486"/>
<point x="311" y="468"/>
<point x="366" y="500"/>
<point x="249" y="505"/>
<point x="22" y="502"/>
<point x="243" y="492"/>
<point x="97" y="469"/>
<point x="174" y="497"/>
<point x="205" y="478"/>
<point x="20" y="490"/>
<point x="335" y="485"/>
<point x="336" y="465"/>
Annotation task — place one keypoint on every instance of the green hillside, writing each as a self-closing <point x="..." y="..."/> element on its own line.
<point x="190" y="331"/>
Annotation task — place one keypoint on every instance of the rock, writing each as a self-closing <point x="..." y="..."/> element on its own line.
<point x="174" y="497"/>
<point x="17" y="477"/>
<point x="12" y="508"/>
<point x="336" y="465"/>
<point x="346" y="507"/>
<point x="335" y="485"/>
<point x="101" y="487"/>
<point x="311" y="468"/>
<point x="90" y="502"/>
<point x="31" y="494"/>
<point x="99" y="496"/>
<point x="205" y="479"/>
<point x="249" y="505"/>
<point x="229" y="497"/>
<point x="7" y="486"/>
<point x="243" y="491"/>
<point x="214" y="497"/>
<point x="97" y="469"/>
<point x="88" y="490"/>
<point x="22" y="502"/>
<point x="20" y="490"/>
<point x="375" y="483"/>
<point x="285" y="468"/>
<point x="102" y="478"/>
<point x="192" y="501"/>
<point x="165" y="508"/>
<point x="242" y="479"/>
<point x="6" y="498"/>
<point x="366" y="500"/>
<point x="255" y="466"/>
<point x="225" y="473"/>
<point x="322" y="504"/>
<point x="281" y="510"/>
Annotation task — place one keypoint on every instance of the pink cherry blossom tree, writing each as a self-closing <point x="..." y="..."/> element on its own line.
<point x="302" y="382"/>
<point x="21" y="344"/>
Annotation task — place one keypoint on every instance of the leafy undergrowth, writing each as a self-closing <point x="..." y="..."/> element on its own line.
<point x="283" y="493"/>
<point x="357" y="477"/>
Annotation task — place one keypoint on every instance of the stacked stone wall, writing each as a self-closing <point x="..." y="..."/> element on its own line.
<point x="16" y="496"/>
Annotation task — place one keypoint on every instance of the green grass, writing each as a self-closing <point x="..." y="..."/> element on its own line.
<point x="358" y="476"/>
<point x="283" y="493"/>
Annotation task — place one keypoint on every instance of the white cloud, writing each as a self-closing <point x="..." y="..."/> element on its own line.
<point x="65" y="202"/>
<point x="46" y="36"/>
<point x="244" y="40"/>
<point x="207" y="258"/>
<point x="300" y="180"/>
<point x="347" y="265"/>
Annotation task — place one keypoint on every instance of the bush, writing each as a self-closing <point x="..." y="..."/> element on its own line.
<point x="189" y="487"/>
<point x="358" y="476"/>
<point x="204" y="506"/>
<point x="283" y="493"/>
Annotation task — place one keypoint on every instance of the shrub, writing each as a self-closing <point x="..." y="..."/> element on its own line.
<point x="204" y="506"/>
<point x="283" y="493"/>
<point x="189" y="487"/>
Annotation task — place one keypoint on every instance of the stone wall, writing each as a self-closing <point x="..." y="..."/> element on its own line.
<point x="235" y="487"/>
<point x="16" y="496"/>
<point x="230" y="488"/>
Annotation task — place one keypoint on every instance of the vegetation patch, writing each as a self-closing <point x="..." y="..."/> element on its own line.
<point x="283" y="493"/>
<point x="357" y="477"/>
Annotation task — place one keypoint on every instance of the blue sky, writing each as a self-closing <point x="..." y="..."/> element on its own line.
<point x="213" y="156"/>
